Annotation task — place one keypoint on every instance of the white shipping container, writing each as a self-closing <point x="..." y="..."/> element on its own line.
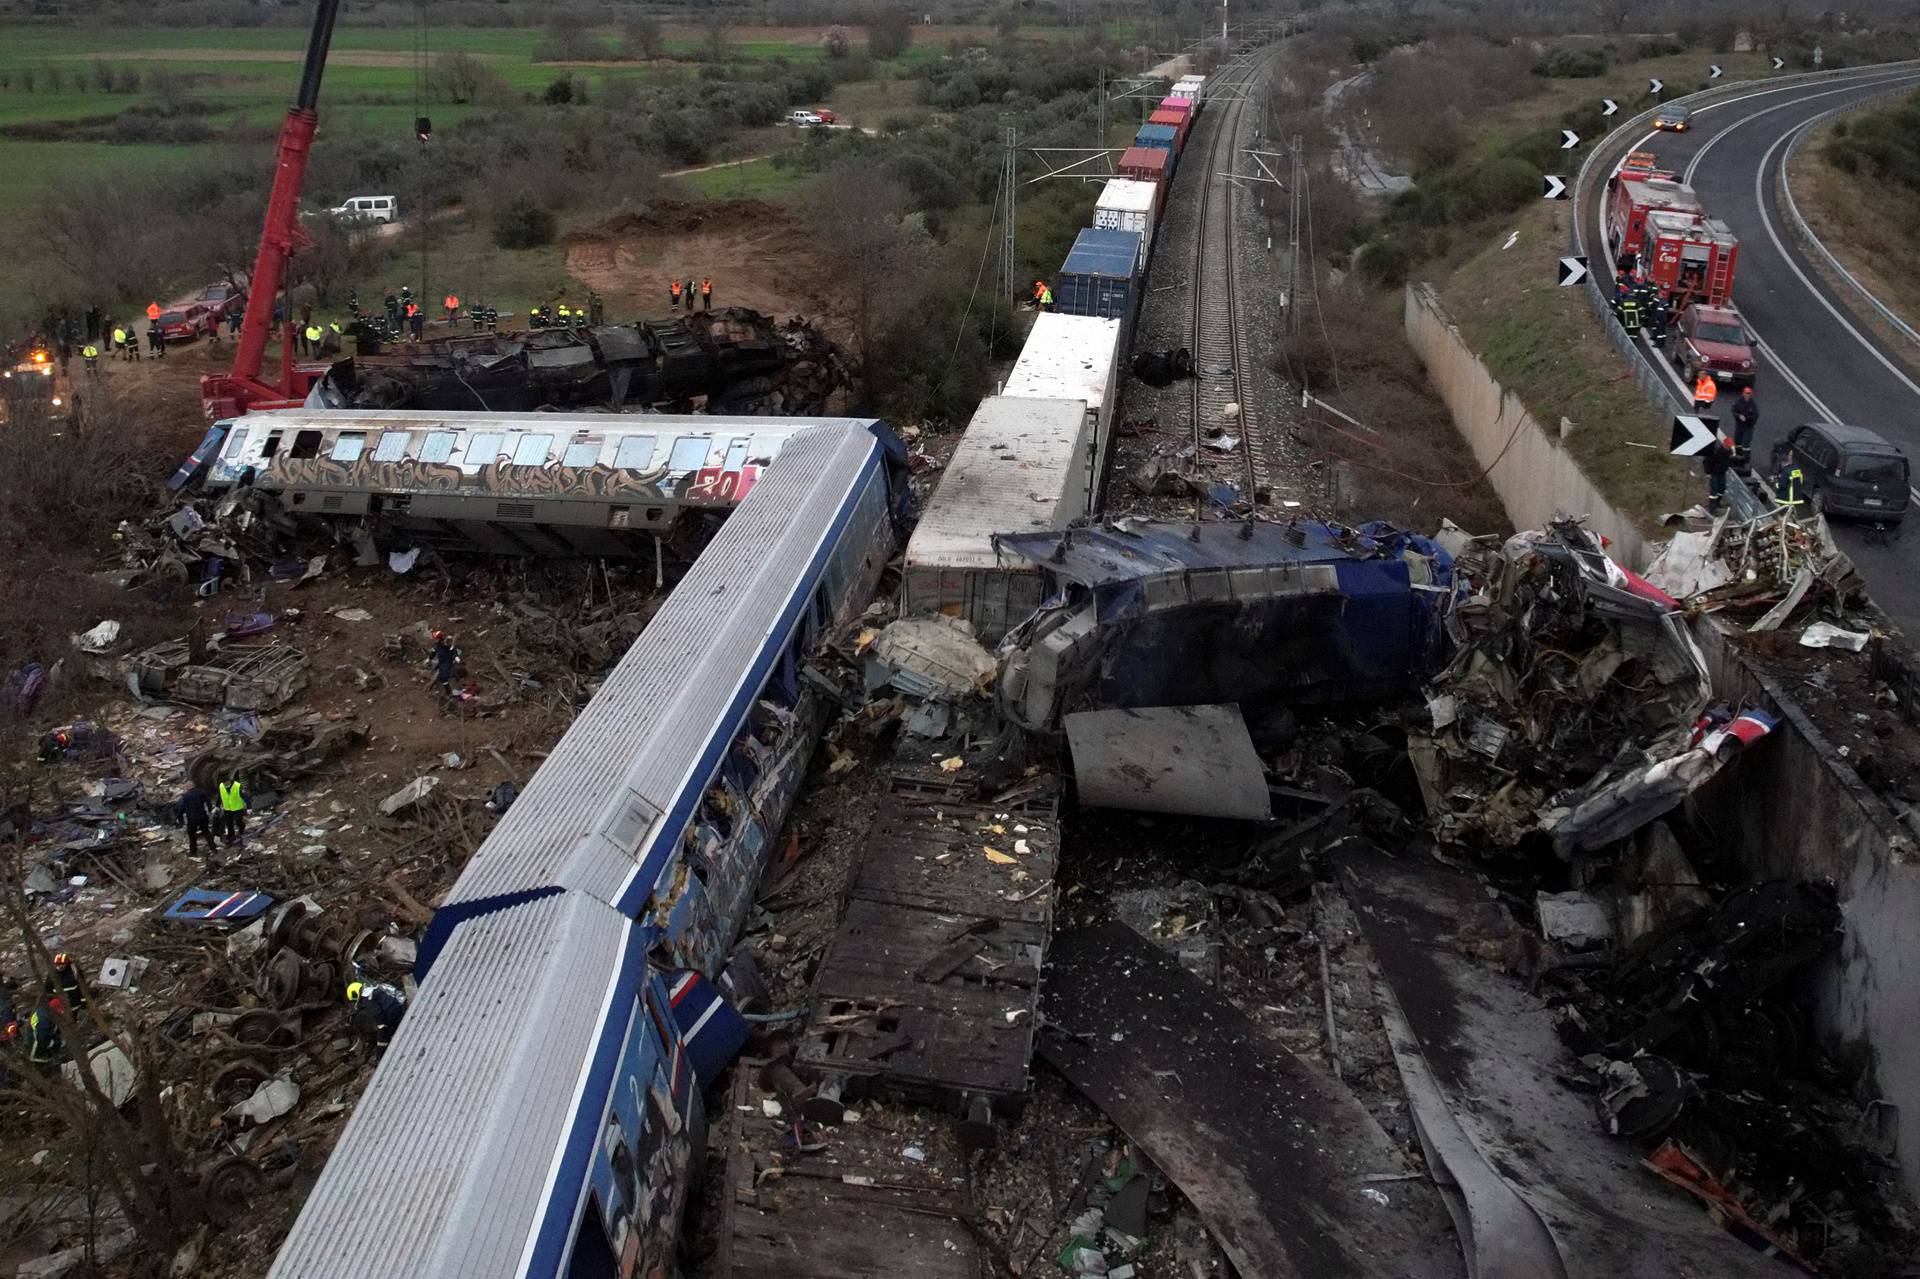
<point x="1023" y="466"/>
<point x="1126" y="204"/>
<point x="1074" y="357"/>
<point x="1193" y="86"/>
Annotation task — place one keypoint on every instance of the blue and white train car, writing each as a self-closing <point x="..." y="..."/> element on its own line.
<point x="538" y="1113"/>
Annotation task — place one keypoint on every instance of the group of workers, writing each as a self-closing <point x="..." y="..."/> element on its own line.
<point x="38" y="1033"/>
<point x="1638" y="304"/>
<point x="221" y="816"/>
<point x="679" y="294"/>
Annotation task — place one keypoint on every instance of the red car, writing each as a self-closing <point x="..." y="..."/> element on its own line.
<point x="1712" y="338"/>
<point x="184" y="326"/>
<point x="204" y="309"/>
<point x="826" y="116"/>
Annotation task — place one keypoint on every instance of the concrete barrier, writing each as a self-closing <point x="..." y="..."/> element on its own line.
<point x="1535" y="477"/>
<point x="1794" y="808"/>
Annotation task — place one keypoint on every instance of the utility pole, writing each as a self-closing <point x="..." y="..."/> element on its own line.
<point x="1010" y="180"/>
<point x="1294" y="189"/>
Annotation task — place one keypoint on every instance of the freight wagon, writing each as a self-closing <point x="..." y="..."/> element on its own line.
<point x="1101" y="276"/>
<point x="1129" y="205"/>
<point x="1160" y="137"/>
<point x="1075" y="357"/>
<point x="1175" y="120"/>
<point x="1024" y="464"/>
<point x="1144" y="164"/>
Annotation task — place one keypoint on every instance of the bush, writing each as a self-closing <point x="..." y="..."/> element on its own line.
<point x="1661" y="47"/>
<point x="559" y="93"/>
<point x="1572" y="64"/>
<point x="1385" y="263"/>
<point x="523" y="223"/>
<point x="890" y="32"/>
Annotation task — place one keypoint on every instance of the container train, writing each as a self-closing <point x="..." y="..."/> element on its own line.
<point x="1027" y="463"/>
<point x="539" y="1111"/>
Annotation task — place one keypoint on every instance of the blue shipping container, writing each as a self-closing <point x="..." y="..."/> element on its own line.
<point x="1164" y="137"/>
<point x="1101" y="276"/>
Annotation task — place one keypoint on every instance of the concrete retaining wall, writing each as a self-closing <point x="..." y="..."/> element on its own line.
<point x="1535" y="477"/>
<point x="1795" y="809"/>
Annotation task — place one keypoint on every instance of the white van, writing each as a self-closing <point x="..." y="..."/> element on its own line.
<point x="368" y="208"/>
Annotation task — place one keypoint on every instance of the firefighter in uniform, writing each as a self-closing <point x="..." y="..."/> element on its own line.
<point x="377" y="1010"/>
<point x="566" y="316"/>
<point x="45" y="1046"/>
<point x="1791" y="488"/>
<point x="67" y="978"/>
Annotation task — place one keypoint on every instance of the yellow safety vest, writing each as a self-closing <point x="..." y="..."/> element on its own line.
<point x="230" y="799"/>
<point x="120" y="336"/>
<point x="313" y="333"/>
<point x="90" y="351"/>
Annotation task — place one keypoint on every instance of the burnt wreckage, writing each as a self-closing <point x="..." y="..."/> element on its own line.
<point x="734" y="359"/>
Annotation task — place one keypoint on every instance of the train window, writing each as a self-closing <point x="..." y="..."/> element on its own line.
<point x="237" y="444"/>
<point x="582" y="453"/>
<point x="348" y="445"/>
<point x="392" y="446"/>
<point x="439" y="446"/>
<point x="532" y="450"/>
<point x="483" y="449"/>
<point x="305" y="444"/>
<point x="736" y="455"/>
<point x="270" y="445"/>
<point x="689" y="453"/>
<point x="635" y="453"/>
<point x="629" y="824"/>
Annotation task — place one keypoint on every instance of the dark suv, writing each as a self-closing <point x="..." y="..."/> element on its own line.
<point x="1851" y="470"/>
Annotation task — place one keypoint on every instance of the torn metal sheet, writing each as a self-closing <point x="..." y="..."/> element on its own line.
<point x="1626" y="803"/>
<point x="1575" y="921"/>
<point x="1169" y="614"/>
<point x="1491" y="1050"/>
<point x="932" y="656"/>
<point x="1273" y="1154"/>
<point x="1197" y="760"/>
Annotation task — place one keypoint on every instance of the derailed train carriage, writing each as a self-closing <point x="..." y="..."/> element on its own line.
<point x="511" y="483"/>
<point x="539" y="1110"/>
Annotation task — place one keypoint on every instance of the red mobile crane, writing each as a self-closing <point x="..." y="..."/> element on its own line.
<point x="230" y="394"/>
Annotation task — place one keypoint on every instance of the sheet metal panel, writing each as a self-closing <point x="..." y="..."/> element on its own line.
<point x="587" y="817"/>
<point x="1195" y="760"/>
<point x="442" y="1168"/>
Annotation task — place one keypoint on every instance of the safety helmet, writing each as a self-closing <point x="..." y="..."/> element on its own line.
<point x="353" y="990"/>
<point x="60" y="958"/>
<point x="439" y="635"/>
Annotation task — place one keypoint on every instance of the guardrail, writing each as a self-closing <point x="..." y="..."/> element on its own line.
<point x="1804" y="233"/>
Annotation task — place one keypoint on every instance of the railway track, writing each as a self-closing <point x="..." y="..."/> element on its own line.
<point x="1227" y="448"/>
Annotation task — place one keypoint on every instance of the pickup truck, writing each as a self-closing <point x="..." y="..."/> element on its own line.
<point x="1713" y="339"/>
<point x="803" y="118"/>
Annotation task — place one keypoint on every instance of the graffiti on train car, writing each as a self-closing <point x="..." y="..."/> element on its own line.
<point x="637" y="1181"/>
<point x="508" y="479"/>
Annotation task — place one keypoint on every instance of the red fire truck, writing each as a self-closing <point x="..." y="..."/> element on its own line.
<point x="1655" y="223"/>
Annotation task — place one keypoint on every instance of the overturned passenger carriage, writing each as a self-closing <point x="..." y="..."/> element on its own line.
<point x="511" y="483"/>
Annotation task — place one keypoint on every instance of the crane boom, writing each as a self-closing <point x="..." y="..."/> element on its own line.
<point x="243" y="388"/>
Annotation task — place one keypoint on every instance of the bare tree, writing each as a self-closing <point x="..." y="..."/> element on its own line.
<point x="889" y="31"/>
<point x="643" y="37"/>
<point x="459" y="76"/>
<point x="716" y="38"/>
<point x="567" y="39"/>
<point x="859" y="220"/>
<point x="1614" y="15"/>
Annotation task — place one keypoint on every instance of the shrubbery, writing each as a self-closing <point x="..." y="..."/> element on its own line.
<point x="523" y="223"/>
<point x="1572" y="64"/>
<point x="1883" y="144"/>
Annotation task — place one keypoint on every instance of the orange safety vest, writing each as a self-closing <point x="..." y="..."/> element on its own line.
<point x="706" y="286"/>
<point x="153" y="310"/>
<point x="1704" y="389"/>
<point x="675" y="286"/>
<point x="453" y="303"/>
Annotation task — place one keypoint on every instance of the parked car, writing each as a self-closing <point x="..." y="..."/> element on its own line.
<point x="1851" y="471"/>
<point x="1675" y="119"/>
<point x="367" y="208"/>
<point x="803" y="118"/>
<point x="1713" y="339"/>
<point x="826" y="116"/>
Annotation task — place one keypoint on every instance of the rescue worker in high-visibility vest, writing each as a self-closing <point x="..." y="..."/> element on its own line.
<point x="377" y="1010"/>
<point x="67" y="978"/>
<point x="1705" y="391"/>
<point x="706" y="293"/>
<point x="566" y="315"/>
<point x="45" y="1044"/>
<point x="1631" y="312"/>
<point x="233" y="811"/>
<point x="452" y="303"/>
<point x="91" y="354"/>
<point x="1046" y="297"/>
<point x="673" y="294"/>
<point x="313" y="333"/>
<point x="1791" y="486"/>
<point x="153" y="310"/>
<point x="123" y="344"/>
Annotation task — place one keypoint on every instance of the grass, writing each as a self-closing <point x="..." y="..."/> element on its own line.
<point x="1869" y="224"/>
<point x="1544" y="344"/>
<point x="31" y="167"/>
<point x="462" y="257"/>
<point x="756" y="179"/>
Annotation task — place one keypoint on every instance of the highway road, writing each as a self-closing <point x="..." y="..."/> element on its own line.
<point x="1817" y="360"/>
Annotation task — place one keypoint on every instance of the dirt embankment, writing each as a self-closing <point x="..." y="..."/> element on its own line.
<point x="758" y="255"/>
